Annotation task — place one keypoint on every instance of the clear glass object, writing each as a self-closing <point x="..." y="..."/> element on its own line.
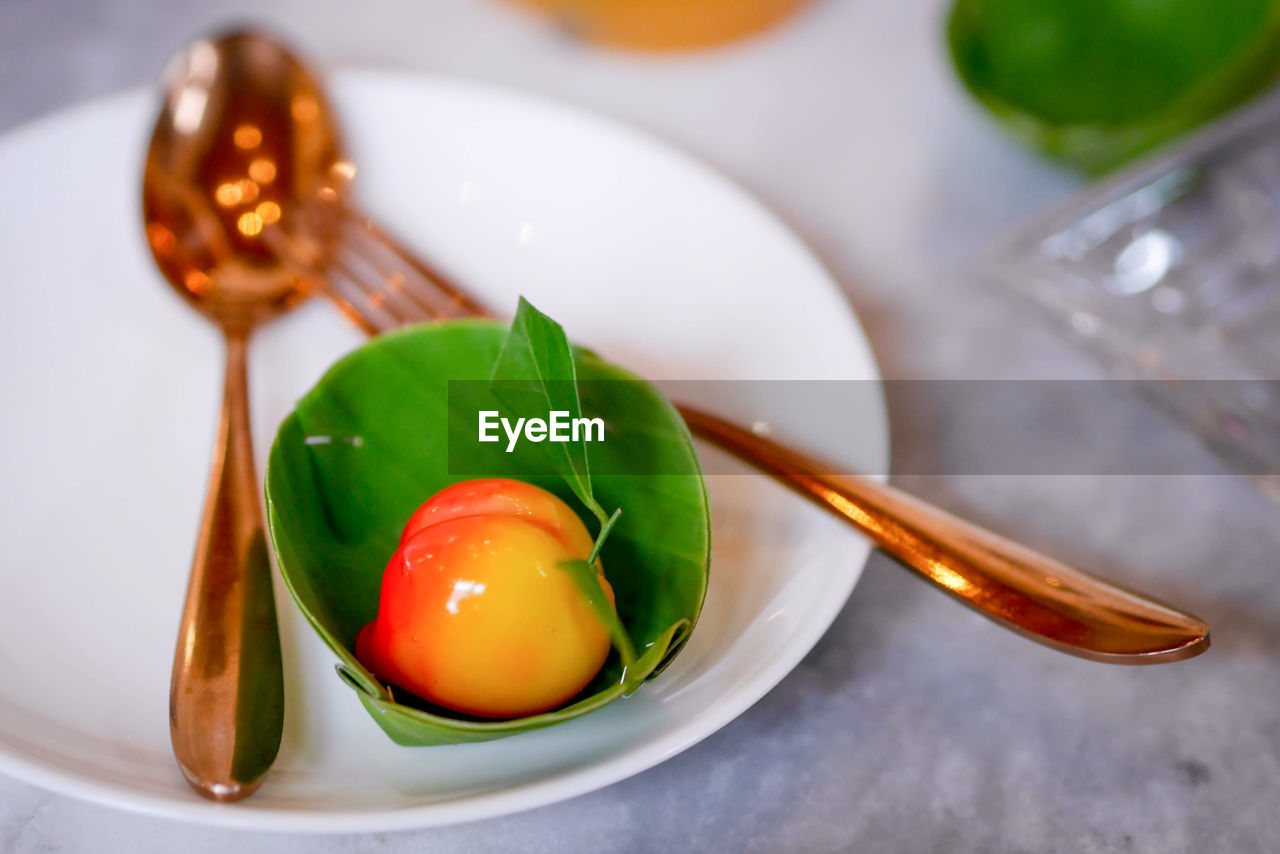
<point x="1170" y="271"/>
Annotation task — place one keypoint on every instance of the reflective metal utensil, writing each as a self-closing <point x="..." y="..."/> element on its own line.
<point x="242" y="135"/>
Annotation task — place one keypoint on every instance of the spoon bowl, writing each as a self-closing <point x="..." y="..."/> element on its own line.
<point x="245" y="137"/>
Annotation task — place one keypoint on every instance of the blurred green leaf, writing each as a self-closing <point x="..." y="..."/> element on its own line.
<point x="1096" y="82"/>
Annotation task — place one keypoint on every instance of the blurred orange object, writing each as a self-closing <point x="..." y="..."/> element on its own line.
<point x="665" y="24"/>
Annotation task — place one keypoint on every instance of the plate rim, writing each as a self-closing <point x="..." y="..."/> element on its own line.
<point x="539" y="791"/>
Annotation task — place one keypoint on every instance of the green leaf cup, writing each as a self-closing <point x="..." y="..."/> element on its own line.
<point x="367" y="445"/>
<point x="1096" y="82"/>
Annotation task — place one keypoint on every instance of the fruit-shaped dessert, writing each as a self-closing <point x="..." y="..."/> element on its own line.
<point x="476" y="614"/>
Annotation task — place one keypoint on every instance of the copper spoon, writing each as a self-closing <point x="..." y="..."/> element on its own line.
<point x="1025" y="591"/>
<point x="241" y="135"/>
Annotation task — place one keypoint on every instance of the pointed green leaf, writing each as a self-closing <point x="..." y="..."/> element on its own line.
<point x="535" y="374"/>
<point x="587" y="578"/>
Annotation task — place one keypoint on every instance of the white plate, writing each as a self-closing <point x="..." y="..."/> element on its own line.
<point x="109" y="394"/>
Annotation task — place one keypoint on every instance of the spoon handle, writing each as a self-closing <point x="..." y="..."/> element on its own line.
<point x="226" y="699"/>
<point x="1034" y="595"/>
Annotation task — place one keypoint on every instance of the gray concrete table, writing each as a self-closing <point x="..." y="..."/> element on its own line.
<point x="914" y="725"/>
